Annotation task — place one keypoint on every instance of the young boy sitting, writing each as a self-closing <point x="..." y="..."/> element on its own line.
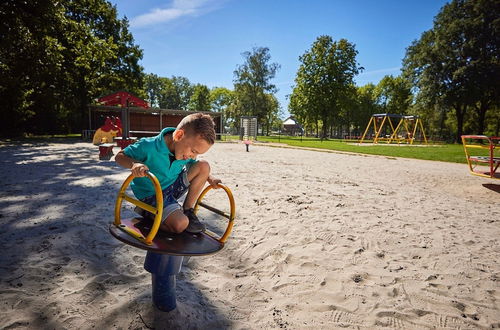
<point x="171" y="157"/>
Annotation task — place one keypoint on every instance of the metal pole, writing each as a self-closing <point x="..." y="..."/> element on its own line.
<point x="163" y="269"/>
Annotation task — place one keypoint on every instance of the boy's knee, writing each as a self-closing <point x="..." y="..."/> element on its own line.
<point x="176" y="225"/>
<point x="204" y="166"/>
<point x="180" y="225"/>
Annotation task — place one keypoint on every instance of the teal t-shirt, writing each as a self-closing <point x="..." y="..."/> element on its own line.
<point x="154" y="153"/>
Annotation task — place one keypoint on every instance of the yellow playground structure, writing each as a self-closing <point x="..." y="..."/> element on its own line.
<point x="481" y="152"/>
<point x="395" y="128"/>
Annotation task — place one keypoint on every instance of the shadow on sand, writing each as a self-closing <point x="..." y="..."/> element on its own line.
<point x="59" y="266"/>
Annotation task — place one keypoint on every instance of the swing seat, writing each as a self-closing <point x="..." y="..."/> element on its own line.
<point x="144" y="233"/>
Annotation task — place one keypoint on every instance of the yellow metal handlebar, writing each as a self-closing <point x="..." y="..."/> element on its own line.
<point x="229" y="215"/>
<point x="158" y="211"/>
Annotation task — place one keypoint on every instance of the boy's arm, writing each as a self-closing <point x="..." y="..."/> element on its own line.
<point x="138" y="168"/>
<point x="213" y="181"/>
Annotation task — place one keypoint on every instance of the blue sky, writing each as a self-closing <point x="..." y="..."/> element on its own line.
<point x="203" y="39"/>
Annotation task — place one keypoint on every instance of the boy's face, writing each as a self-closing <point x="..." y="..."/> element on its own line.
<point x="189" y="145"/>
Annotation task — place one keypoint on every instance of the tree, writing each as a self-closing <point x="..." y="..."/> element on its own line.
<point x="394" y="94"/>
<point x="200" y="99"/>
<point x="56" y="57"/>
<point x="455" y="65"/>
<point x="222" y="100"/>
<point x="366" y="105"/>
<point x="153" y="88"/>
<point x="273" y="113"/>
<point x="325" y="78"/>
<point x="175" y="93"/>
<point x="252" y="83"/>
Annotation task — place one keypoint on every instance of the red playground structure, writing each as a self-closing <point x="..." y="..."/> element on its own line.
<point x="113" y="130"/>
<point x="122" y="99"/>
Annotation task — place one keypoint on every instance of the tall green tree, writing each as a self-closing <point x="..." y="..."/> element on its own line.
<point x="58" y="56"/>
<point x="200" y="99"/>
<point x="325" y="78"/>
<point x="153" y="88"/>
<point x="175" y="93"/>
<point x="366" y="105"/>
<point x="29" y="57"/>
<point x="222" y="100"/>
<point x="394" y="94"/>
<point x="272" y="113"/>
<point x="456" y="64"/>
<point x="252" y="83"/>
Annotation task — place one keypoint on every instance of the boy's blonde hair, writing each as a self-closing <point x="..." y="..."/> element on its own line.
<point x="199" y="124"/>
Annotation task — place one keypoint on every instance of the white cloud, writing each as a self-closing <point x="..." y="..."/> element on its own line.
<point x="177" y="9"/>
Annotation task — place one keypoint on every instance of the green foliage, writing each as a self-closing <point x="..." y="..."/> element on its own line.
<point x="394" y="94"/>
<point x="222" y="100"/>
<point x="252" y="86"/>
<point x="200" y="100"/>
<point x="455" y="65"/>
<point x="56" y="57"/>
<point x="153" y="88"/>
<point x="366" y="105"/>
<point x="175" y="93"/>
<point x="325" y="83"/>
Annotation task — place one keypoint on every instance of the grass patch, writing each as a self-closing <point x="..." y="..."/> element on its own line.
<point x="443" y="152"/>
<point x="42" y="138"/>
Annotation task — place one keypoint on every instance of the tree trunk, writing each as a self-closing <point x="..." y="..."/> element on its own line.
<point x="460" y="114"/>
<point x="481" y="111"/>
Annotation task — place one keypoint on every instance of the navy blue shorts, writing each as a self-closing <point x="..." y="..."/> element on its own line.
<point x="171" y="194"/>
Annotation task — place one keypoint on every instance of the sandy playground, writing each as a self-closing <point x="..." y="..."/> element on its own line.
<point x="321" y="241"/>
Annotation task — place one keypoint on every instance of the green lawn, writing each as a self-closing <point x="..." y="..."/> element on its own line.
<point x="442" y="152"/>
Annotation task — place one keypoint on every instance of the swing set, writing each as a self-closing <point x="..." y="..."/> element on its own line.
<point x="396" y="128"/>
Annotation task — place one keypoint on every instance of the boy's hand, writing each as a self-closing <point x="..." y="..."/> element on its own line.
<point x="139" y="169"/>
<point x="213" y="182"/>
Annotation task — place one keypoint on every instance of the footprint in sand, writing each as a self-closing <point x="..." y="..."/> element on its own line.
<point x="235" y="315"/>
<point x="345" y="318"/>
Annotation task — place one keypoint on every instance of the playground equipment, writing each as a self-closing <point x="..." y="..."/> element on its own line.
<point x="106" y="133"/>
<point x="481" y="150"/>
<point x="384" y="129"/>
<point x="112" y="131"/>
<point x="247" y="144"/>
<point x="165" y="251"/>
<point x="248" y="127"/>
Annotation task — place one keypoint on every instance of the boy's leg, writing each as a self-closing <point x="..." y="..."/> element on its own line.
<point x="176" y="222"/>
<point x="197" y="176"/>
<point x="179" y="220"/>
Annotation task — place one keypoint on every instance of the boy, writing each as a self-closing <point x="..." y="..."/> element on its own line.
<point x="171" y="157"/>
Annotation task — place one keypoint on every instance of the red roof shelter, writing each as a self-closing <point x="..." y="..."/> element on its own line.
<point x="121" y="98"/>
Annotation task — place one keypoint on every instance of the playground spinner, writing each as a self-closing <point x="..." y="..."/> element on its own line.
<point x="480" y="152"/>
<point x="165" y="251"/>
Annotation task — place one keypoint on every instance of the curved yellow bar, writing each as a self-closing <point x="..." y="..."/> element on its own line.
<point x="158" y="211"/>
<point x="230" y="216"/>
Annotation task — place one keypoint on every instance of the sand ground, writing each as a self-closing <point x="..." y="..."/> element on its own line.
<point x="321" y="241"/>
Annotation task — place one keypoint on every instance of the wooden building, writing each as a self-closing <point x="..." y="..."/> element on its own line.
<point x="139" y="122"/>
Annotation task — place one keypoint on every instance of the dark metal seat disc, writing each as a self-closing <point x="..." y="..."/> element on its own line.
<point x="183" y="244"/>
